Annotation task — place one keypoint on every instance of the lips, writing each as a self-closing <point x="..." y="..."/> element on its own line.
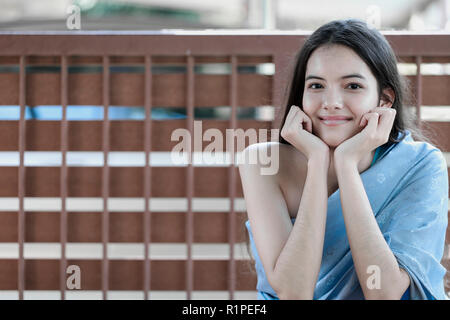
<point x="334" y="120"/>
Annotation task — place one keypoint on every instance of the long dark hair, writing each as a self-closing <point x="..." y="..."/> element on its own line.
<point x="376" y="52"/>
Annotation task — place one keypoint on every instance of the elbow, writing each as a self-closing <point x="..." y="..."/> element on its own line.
<point x="383" y="295"/>
<point x="379" y="296"/>
<point x="289" y="290"/>
<point x="386" y="294"/>
<point x="392" y="289"/>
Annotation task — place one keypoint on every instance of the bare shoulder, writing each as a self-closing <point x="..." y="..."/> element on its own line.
<point x="289" y="177"/>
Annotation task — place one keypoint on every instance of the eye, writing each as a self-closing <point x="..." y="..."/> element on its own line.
<point x="355" y="84"/>
<point x="312" y="84"/>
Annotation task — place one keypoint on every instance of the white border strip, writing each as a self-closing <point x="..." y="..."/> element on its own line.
<point x="121" y="159"/>
<point x="117" y="159"/>
<point x="125" y="251"/>
<point x="435" y="113"/>
<point x="123" y="204"/>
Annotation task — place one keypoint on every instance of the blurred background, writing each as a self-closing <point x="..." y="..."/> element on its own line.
<point x="417" y="15"/>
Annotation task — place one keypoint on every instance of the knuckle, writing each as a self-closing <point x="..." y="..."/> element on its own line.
<point x="286" y="133"/>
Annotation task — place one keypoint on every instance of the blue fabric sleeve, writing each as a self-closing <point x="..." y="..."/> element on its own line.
<point x="416" y="232"/>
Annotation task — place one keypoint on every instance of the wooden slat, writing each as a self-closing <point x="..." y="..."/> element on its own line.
<point x="125" y="135"/>
<point x="9" y="82"/>
<point x="127" y="89"/>
<point x="169" y="89"/>
<point x="127" y="275"/>
<point x="11" y="60"/>
<point x="189" y="181"/>
<point x="434" y="89"/>
<point x="135" y="60"/>
<point x="105" y="177"/>
<point x="147" y="175"/>
<point x="232" y="182"/>
<point x="125" y="227"/>
<point x="425" y="59"/>
<point x="128" y="135"/>
<point x="196" y="42"/>
<point x="63" y="181"/>
<point x="439" y="132"/>
<point x="177" y="60"/>
<point x="124" y="182"/>
<point x="21" y="177"/>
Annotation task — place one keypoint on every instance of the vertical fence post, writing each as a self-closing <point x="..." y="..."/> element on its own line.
<point x="22" y="181"/>
<point x="418" y="90"/>
<point x="190" y="177"/>
<point x="147" y="173"/>
<point x="232" y="181"/>
<point x="105" y="180"/>
<point x="63" y="178"/>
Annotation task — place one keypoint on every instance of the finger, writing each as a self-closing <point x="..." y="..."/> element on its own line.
<point x="304" y="121"/>
<point x="384" y="113"/>
<point x="363" y="121"/>
<point x="366" y="116"/>
<point x="308" y="123"/>
<point x="372" y="121"/>
<point x="387" y="119"/>
<point x="291" y="114"/>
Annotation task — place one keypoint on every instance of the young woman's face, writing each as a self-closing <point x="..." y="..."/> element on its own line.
<point x="338" y="83"/>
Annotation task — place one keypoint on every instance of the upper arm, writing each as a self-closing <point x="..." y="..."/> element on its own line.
<point x="267" y="211"/>
<point x="404" y="282"/>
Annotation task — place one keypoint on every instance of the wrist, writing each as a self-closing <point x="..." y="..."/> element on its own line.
<point x="321" y="160"/>
<point x="341" y="163"/>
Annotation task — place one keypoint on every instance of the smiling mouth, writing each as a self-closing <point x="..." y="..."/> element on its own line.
<point x="334" y="122"/>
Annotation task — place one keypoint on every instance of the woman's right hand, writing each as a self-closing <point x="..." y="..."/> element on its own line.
<point x="297" y="130"/>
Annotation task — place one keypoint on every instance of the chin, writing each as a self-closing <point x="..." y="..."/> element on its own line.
<point x="333" y="142"/>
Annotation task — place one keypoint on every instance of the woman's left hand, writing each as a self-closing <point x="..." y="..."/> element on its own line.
<point x="378" y="124"/>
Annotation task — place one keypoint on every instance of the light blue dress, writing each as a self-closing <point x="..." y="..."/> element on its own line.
<point x="407" y="187"/>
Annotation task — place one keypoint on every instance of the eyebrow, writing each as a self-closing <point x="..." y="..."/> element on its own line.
<point x="353" y="75"/>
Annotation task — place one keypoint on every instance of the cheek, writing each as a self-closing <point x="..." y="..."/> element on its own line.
<point x="309" y="104"/>
<point x="363" y="103"/>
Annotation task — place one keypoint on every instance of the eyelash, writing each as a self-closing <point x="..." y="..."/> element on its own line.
<point x="360" y="87"/>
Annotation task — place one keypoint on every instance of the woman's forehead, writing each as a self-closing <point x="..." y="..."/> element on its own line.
<point x="336" y="61"/>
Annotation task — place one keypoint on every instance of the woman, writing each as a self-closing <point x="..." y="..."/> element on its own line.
<point x="358" y="208"/>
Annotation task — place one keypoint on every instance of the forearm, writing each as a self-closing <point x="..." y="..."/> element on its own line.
<point x="298" y="264"/>
<point x="367" y="244"/>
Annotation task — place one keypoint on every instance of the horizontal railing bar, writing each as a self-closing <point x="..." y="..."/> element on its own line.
<point x="132" y="43"/>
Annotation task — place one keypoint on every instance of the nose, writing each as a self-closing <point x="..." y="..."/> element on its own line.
<point x="332" y="100"/>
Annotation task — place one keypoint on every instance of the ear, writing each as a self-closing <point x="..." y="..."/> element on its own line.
<point x="387" y="98"/>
